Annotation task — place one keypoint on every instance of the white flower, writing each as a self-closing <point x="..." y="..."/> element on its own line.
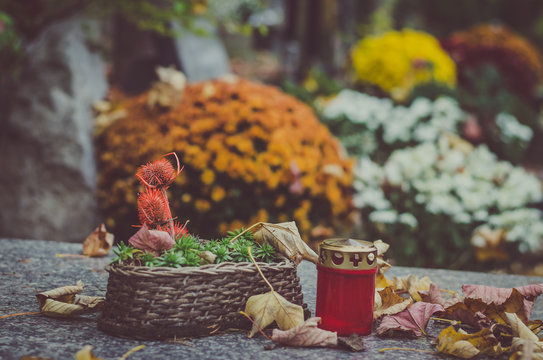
<point x="368" y="171"/>
<point x="511" y="129"/>
<point x="384" y="216"/>
<point x="421" y="107"/>
<point x="408" y="219"/>
<point x="371" y="197"/>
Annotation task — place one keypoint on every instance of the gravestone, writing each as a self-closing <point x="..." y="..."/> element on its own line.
<point x="201" y="57"/>
<point x="48" y="177"/>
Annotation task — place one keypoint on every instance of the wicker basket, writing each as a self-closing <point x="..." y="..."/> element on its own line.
<point x="160" y="302"/>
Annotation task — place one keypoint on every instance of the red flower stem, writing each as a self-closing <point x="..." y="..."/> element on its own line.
<point x="169" y="213"/>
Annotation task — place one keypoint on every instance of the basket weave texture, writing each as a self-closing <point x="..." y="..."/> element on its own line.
<point x="161" y="302"/>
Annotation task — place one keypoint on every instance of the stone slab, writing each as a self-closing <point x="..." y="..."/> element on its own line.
<point x="28" y="267"/>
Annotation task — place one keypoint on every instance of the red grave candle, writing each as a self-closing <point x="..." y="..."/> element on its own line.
<point x="346" y="285"/>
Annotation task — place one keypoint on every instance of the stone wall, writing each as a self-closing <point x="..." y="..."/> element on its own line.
<point x="47" y="169"/>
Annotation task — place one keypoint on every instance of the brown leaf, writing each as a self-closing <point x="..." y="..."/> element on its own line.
<point x="494" y="295"/>
<point x="352" y="343"/>
<point x="271" y="306"/>
<point x="381" y="247"/>
<point x="467" y="346"/>
<point x="412" y="284"/>
<point x="66" y="301"/>
<point x="98" y="242"/>
<point x="412" y="320"/>
<point x="286" y="239"/>
<point x="387" y="302"/>
<point x="472" y="317"/>
<point x="152" y="241"/>
<point x="433" y="296"/>
<point x="306" y="334"/>
<point x="86" y="354"/>
<point x="513" y="304"/>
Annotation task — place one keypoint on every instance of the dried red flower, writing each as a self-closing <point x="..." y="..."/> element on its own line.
<point x="153" y="208"/>
<point x="159" y="173"/>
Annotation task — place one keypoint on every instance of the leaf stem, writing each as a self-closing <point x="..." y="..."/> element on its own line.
<point x="409" y="349"/>
<point x="251" y="320"/>
<point x="244" y="231"/>
<point x="448" y="291"/>
<point x="133" y="350"/>
<point x="258" y="268"/>
<point x="19" y="314"/>
<point x="72" y="255"/>
<point x="453" y="322"/>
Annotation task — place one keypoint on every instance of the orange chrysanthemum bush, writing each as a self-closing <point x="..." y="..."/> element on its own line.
<point x="514" y="56"/>
<point x="250" y="153"/>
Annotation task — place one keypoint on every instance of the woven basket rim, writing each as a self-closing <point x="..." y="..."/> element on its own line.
<point x="209" y="269"/>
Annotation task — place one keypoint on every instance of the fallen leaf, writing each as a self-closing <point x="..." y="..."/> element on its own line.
<point x="467" y="346"/>
<point x="306" y="334"/>
<point x="412" y="320"/>
<point x="381" y="281"/>
<point x="86" y="354"/>
<point x="513" y="304"/>
<point x="98" y="242"/>
<point x="286" y="239"/>
<point x="151" y="241"/>
<point x="387" y="302"/>
<point x="67" y="301"/>
<point x="494" y="295"/>
<point x="352" y="343"/>
<point x="271" y="306"/>
<point x="520" y="330"/>
<point x="471" y="317"/>
<point x="381" y="247"/>
<point x="412" y="284"/>
<point x="523" y="349"/>
<point x="433" y="296"/>
<point x="207" y="257"/>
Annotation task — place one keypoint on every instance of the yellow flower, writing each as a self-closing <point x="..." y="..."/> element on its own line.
<point x="217" y="193"/>
<point x="397" y="61"/>
<point x="202" y="205"/>
<point x="208" y="176"/>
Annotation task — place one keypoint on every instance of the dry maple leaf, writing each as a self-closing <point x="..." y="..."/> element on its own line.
<point x="152" y="241"/>
<point x="306" y="334"/>
<point x="467" y="346"/>
<point x="286" y="239"/>
<point x="494" y="295"/>
<point x="433" y="296"/>
<point x="412" y="284"/>
<point x="66" y="301"/>
<point x="471" y="317"/>
<point x="271" y="306"/>
<point x="98" y="242"/>
<point x="412" y="320"/>
<point x="387" y="302"/>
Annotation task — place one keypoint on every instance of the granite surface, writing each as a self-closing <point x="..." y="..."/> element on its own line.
<point x="28" y="267"/>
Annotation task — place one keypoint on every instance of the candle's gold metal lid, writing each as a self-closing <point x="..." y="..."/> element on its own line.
<point x="349" y="254"/>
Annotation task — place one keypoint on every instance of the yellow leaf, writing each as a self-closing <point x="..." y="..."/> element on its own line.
<point x="412" y="284"/>
<point x="465" y="346"/>
<point x="86" y="354"/>
<point x="387" y="302"/>
<point x="98" y="242"/>
<point x="382" y="282"/>
<point x="66" y="301"/>
<point x="286" y="239"/>
<point x="271" y="306"/>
